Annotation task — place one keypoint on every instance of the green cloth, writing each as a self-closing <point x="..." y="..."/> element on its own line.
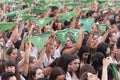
<point x="101" y="28"/>
<point x="28" y="17"/>
<point x="6" y="26"/>
<point x="68" y="15"/>
<point x="2" y="1"/>
<point x="38" y="41"/>
<point x="72" y="5"/>
<point x="38" y="10"/>
<point x="11" y="15"/>
<point x="62" y="35"/>
<point x="85" y="9"/>
<point x="28" y="1"/>
<point x="43" y="21"/>
<point x="113" y="68"/>
<point x="74" y="34"/>
<point x="84" y="2"/>
<point x="24" y="11"/>
<point x="112" y="8"/>
<point x="86" y="23"/>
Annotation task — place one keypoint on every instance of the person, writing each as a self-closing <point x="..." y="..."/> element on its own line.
<point x="10" y="66"/>
<point x="57" y="74"/>
<point x="84" y="55"/>
<point x="70" y="48"/>
<point x="87" y="68"/>
<point x="9" y="76"/>
<point x="35" y="73"/>
<point x="75" y="66"/>
<point x="12" y="53"/>
<point x="91" y="76"/>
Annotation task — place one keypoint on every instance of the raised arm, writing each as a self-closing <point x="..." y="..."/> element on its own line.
<point x="26" y="62"/>
<point x="77" y="45"/>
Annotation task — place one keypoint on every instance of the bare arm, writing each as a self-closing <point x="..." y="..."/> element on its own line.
<point x="76" y="46"/>
<point x="27" y="53"/>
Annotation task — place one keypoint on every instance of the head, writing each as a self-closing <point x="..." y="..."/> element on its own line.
<point x="89" y="76"/>
<point x="113" y="49"/>
<point x="75" y="63"/>
<point x="57" y="74"/>
<point x="65" y="59"/>
<point x="68" y="43"/>
<point x="91" y="13"/>
<point x="32" y="62"/>
<point x="87" y="68"/>
<point x="12" y="53"/>
<point x="117" y="18"/>
<point x="10" y="66"/>
<point x="84" y="52"/>
<point x="35" y="73"/>
<point x="113" y="37"/>
<point x="104" y="48"/>
<point x="8" y="76"/>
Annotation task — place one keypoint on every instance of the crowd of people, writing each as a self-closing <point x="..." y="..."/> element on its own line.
<point x="82" y="40"/>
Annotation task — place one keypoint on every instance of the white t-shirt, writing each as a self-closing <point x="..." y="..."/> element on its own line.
<point x="47" y="61"/>
<point x="68" y="76"/>
<point x="57" y="54"/>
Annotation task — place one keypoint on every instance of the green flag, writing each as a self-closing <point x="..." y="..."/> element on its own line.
<point x="39" y="41"/>
<point x="72" y="5"/>
<point x="101" y="28"/>
<point x="68" y="15"/>
<point x="2" y="1"/>
<point x="38" y="10"/>
<point x="74" y="34"/>
<point x="114" y="71"/>
<point x="86" y="23"/>
<point x="28" y="1"/>
<point x="24" y="11"/>
<point x="6" y="26"/>
<point x="62" y="35"/>
<point x="11" y="15"/>
<point x="112" y="8"/>
<point x="43" y="21"/>
<point x="85" y="9"/>
<point x="28" y="17"/>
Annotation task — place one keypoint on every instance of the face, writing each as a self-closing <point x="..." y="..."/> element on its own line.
<point x="46" y="28"/>
<point x="13" y="78"/>
<point x="117" y="18"/>
<point x="108" y="51"/>
<point x="22" y="54"/>
<point x="13" y="55"/>
<point x="60" y="77"/>
<point x="85" y="55"/>
<point x="113" y="38"/>
<point x="92" y="76"/>
<point x="115" y="50"/>
<point x="10" y="69"/>
<point x="33" y="63"/>
<point x="39" y="74"/>
<point x="68" y="43"/>
<point x="75" y="64"/>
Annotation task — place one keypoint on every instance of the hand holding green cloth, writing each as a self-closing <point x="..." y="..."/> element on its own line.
<point x="62" y="35"/>
<point x="6" y="26"/>
<point x="101" y="28"/>
<point x="68" y="15"/>
<point x="39" y="40"/>
<point x="43" y="21"/>
<point x="74" y="34"/>
<point x="87" y="23"/>
<point x="113" y="68"/>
